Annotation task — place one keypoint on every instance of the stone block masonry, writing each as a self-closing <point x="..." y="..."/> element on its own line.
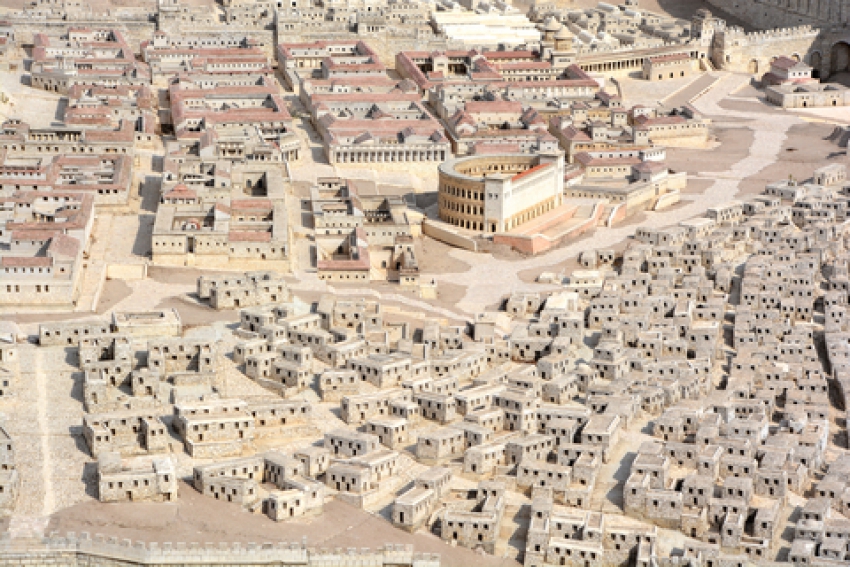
<point x="98" y="551"/>
<point x="772" y="13"/>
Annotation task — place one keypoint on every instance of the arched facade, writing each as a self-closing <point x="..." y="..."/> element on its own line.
<point x="839" y="57"/>
<point x="497" y="193"/>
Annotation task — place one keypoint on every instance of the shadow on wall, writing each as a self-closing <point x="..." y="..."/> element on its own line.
<point x="60" y="109"/>
<point x="684" y="9"/>
<point x="89" y="478"/>
<point x="142" y="245"/>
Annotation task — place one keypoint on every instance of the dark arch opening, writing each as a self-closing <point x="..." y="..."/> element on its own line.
<point x="839" y="58"/>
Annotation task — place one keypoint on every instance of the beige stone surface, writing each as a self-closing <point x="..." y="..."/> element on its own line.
<point x="202" y="519"/>
<point x="752" y="144"/>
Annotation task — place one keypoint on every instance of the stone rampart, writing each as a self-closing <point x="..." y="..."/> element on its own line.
<point x="753" y="52"/>
<point x="84" y="550"/>
<point x="771" y="13"/>
<point x="446" y="233"/>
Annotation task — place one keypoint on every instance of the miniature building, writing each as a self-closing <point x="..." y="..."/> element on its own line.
<point x="366" y="124"/>
<point x="811" y="95"/>
<point x="216" y="234"/>
<point x="9" y="369"/>
<point x="476" y="522"/>
<point x="212" y="117"/>
<point x="498" y="193"/>
<point x="360" y="236"/>
<point x="254" y="288"/>
<point x="787" y="71"/>
<point x="412" y="509"/>
<point x="107" y="178"/>
<point x="119" y="483"/>
<point x="216" y="428"/>
<point x="125" y="433"/>
<point x="350" y="444"/>
<point x="328" y="60"/>
<point x="42" y="264"/>
<point x="491" y="28"/>
<point x="499" y="125"/>
<point x="539" y="87"/>
<point x="357" y="480"/>
<point x="168" y="56"/>
<point x="667" y="67"/>
<point x="102" y="106"/>
<point x="91" y="57"/>
<point x="708" y="335"/>
<point x="552" y="69"/>
<point x="379" y="129"/>
<point x="19" y="136"/>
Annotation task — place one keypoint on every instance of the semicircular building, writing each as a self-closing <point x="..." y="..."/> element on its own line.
<point x="497" y="193"/>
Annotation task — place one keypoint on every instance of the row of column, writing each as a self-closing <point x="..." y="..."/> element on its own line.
<point x="526" y="216"/>
<point x="462" y="208"/>
<point x="616" y="65"/>
<point x="389" y="156"/>
<point x="471" y="225"/>
<point x="516" y="221"/>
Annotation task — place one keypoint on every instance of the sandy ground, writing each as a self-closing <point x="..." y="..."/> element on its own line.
<point x="114" y="291"/>
<point x="732" y="143"/>
<point x="194" y="314"/>
<point x="635" y="91"/>
<point x="805" y="150"/>
<point x="195" y="518"/>
<point x="436" y="258"/>
<point x="37" y="107"/>
<point x="164" y="287"/>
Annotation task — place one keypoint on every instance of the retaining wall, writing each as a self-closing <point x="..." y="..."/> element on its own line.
<point x="99" y="551"/>
<point x="438" y="231"/>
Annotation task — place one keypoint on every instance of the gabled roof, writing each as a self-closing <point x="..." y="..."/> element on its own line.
<point x="180" y="191"/>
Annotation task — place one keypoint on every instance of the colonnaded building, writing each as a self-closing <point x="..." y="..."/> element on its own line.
<point x="498" y="193"/>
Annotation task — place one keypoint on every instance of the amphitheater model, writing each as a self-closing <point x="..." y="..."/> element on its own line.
<point x="497" y="193"/>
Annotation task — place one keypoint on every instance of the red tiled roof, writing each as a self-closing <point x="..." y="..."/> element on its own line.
<point x="343" y="265"/>
<point x="500" y="106"/>
<point x="180" y="191"/>
<point x="26" y="262"/>
<point x="249" y="236"/>
<point x="36" y="235"/>
<point x="784" y="63"/>
<point x="529" y="171"/>
<point x="64" y="245"/>
<point x="651" y="166"/>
